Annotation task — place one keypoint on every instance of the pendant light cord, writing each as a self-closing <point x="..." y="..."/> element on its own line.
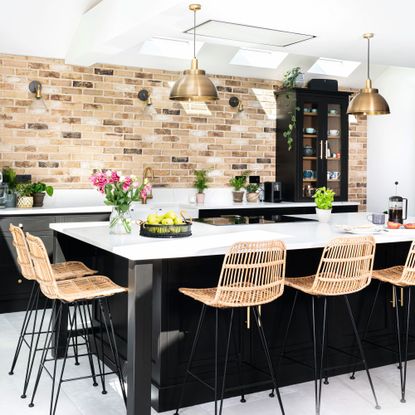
<point x="194" y="34"/>
<point x="368" y="58"/>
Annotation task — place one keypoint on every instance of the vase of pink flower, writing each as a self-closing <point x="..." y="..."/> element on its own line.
<point x="120" y="191"/>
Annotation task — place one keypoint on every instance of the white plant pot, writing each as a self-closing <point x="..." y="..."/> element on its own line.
<point x="323" y="215"/>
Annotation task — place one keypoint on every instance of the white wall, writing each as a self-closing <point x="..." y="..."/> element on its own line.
<point x="391" y="141"/>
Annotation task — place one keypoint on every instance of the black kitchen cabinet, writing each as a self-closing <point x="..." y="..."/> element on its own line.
<point x="14" y="289"/>
<point x="320" y="133"/>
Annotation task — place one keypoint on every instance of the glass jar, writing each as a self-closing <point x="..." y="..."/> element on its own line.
<point x="120" y="222"/>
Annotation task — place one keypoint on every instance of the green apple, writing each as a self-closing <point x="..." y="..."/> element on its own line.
<point x="170" y="215"/>
<point x="153" y="219"/>
<point x="167" y="221"/>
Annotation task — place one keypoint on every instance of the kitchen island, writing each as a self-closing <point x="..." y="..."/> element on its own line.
<point x="158" y="320"/>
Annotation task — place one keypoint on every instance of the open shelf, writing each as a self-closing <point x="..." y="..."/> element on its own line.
<point x="333" y="136"/>
<point x="310" y="114"/>
<point x="309" y="158"/>
<point x="309" y="180"/>
<point x="310" y="135"/>
<point x="334" y="158"/>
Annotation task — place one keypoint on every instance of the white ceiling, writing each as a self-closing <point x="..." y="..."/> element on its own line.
<point x="114" y="30"/>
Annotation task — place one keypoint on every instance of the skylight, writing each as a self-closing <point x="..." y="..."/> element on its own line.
<point x="258" y="58"/>
<point x="333" y="67"/>
<point x="170" y="48"/>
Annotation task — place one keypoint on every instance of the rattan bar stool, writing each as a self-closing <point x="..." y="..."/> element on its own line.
<point x="62" y="271"/>
<point x="76" y="292"/>
<point x="345" y="268"/>
<point x="403" y="277"/>
<point x="252" y="275"/>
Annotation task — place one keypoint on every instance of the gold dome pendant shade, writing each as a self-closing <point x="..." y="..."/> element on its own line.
<point x="368" y="101"/>
<point x="194" y="85"/>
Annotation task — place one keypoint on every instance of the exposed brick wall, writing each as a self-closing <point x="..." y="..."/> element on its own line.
<point x="96" y="121"/>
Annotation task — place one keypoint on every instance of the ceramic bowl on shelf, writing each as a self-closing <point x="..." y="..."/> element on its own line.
<point x="332" y="112"/>
<point x="307" y="110"/>
<point x="314" y="110"/>
<point x="334" y="132"/>
<point x="310" y="130"/>
<point x="308" y="151"/>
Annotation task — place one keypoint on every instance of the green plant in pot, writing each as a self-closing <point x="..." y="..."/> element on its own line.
<point x="238" y="183"/>
<point x="24" y="195"/>
<point x="252" y="192"/>
<point x="323" y="198"/>
<point x="201" y="184"/>
<point x="10" y="177"/>
<point x="39" y="190"/>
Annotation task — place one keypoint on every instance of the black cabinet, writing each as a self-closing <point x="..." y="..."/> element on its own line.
<point x="14" y="289"/>
<point x="318" y="156"/>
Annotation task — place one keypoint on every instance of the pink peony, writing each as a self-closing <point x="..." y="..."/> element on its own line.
<point x="127" y="183"/>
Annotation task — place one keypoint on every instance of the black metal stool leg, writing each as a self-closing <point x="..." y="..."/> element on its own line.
<point x="192" y="352"/>
<point x="284" y="342"/>
<point x="54" y="401"/>
<point x="238" y="351"/>
<point x="398" y="338"/>
<point x="264" y="342"/>
<point x="226" y="360"/>
<point x="36" y="349"/>
<point x="109" y="327"/>
<point x="102" y="359"/>
<point x="368" y="324"/>
<point x="75" y="341"/>
<point x="362" y="353"/>
<point x="215" y="385"/>
<point x="53" y="322"/>
<point x="323" y="347"/>
<point x="32" y="339"/>
<point x="85" y="332"/>
<point x="314" y="331"/>
<point x="28" y="313"/>
<point x="405" y="367"/>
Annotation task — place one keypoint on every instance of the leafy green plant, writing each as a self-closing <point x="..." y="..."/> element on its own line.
<point x="324" y="197"/>
<point x="40" y="187"/>
<point x="24" y="189"/>
<point x="239" y="182"/>
<point x="252" y="187"/>
<point x="288" y="81"/>
<point x="10" y="177"/>
<point x="201" y="180"/>
<point x="288" y="133"/>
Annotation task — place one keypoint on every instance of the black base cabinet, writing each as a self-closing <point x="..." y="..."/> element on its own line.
<point x="15" y="289"/>
<point x="175" y="317"/>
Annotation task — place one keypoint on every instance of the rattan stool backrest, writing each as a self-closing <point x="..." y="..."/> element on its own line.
<point x="23" y="255"/>
<point x="252" y="274"/>
<point x="44" y="273"/>
<point x="345" y="266"/>
<point x="408" y="274"/>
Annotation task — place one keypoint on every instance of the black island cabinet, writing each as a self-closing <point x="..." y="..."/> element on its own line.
<point x="318" y="156"/>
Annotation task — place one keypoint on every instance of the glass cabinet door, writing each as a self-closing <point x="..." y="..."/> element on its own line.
<point x="310" y="148"/>
<point x="334" y="149"/>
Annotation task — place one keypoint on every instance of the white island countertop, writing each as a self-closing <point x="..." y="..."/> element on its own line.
<point x="215" y="240"/>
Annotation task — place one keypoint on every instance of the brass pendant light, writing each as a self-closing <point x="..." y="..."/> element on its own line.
<point x="368" y="101"/>
<point x="194" y="85"/>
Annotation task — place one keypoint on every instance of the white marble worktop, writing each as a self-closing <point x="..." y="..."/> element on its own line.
<point x="215" y="240"/>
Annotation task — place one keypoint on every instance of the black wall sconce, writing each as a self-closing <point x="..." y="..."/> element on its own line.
<point x="38" y="106"/>
<point x="235" y="102"/>
<point x="144" y="96"/>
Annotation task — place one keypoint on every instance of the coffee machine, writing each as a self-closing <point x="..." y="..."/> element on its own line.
<point x="272" y="192"/>
<point x="396" y="210"/>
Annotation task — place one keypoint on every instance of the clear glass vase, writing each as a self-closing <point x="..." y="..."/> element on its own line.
<point x="120" y="222"/>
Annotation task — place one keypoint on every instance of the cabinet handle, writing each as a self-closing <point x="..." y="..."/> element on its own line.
<point x="248" y="318"/>
<point x="327" y="148"/>
<point x="402" y="297"/>
<point x="19" y="281"/>
<point x="321" y="149"/>
<point x="393" y="298"/>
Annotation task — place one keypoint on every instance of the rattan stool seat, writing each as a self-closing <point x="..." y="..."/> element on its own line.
<point x="71" y="269"/>
<point x="304" y="284"/>
<point x="392" y="275"/>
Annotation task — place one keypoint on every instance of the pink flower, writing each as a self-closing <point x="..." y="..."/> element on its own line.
<point x="99" y="180"/>
<point x="114" y="178"/>
<point x="127" y="184"/>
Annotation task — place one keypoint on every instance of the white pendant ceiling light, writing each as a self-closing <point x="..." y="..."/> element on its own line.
<point x="194" y="85"/>
<point x="368" y="101"/>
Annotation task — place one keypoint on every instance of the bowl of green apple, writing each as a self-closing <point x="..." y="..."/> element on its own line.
<point x="169" y="225"/>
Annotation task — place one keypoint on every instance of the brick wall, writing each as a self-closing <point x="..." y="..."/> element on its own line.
<point x="96" y="121"/>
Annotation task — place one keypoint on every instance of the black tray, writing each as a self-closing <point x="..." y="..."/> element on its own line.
<point x="166" y="231"/>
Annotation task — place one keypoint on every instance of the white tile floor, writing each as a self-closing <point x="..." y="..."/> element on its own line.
<point x="341" y="397"/>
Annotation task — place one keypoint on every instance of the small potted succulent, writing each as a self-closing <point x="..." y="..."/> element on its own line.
<point x="39" y="190"/>
<point x="10" y="177"/>
<point x="238" y="184"/>
<point x="252" y="192"/>
<point x="24" y="195"/>
<point x="200" y="183"/>
<point x="323" y="198"/>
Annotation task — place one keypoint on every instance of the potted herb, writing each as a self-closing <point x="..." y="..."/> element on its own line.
<point x="10" y="177"/>
<point x="323" y="198"/>
<point x="200" y="183"/>
<point x="252" y="192"/>
<point x="24" y="195"/>
<point x="238" y="183"/>
<point x="39" y="190"/>
<point x="293" y="78"/>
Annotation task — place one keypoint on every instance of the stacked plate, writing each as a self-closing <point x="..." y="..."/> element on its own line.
<point x="361" y="229"/>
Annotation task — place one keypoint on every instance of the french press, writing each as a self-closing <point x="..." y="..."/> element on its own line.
<point x="396" y="207"/>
